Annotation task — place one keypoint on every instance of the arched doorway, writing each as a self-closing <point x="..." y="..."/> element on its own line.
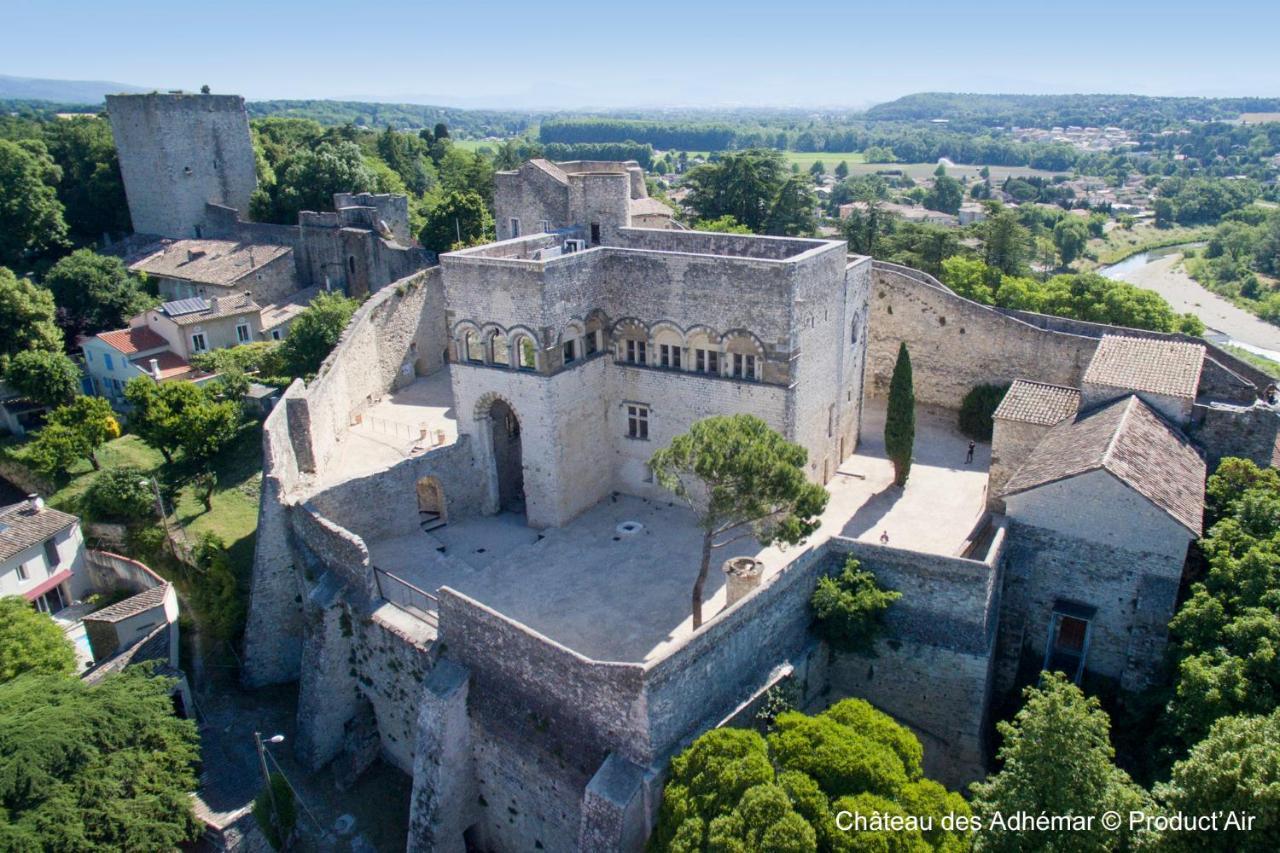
<point x="432" y="510"/>
<point x="508" y="460"/>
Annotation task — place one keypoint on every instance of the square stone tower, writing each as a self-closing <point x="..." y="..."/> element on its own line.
<point x="178" y="152"/>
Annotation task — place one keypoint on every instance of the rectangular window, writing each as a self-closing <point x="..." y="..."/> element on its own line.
<point x="106" y="357"/>
<point x="22" y="571"/>
<point x="570" y="352"/>
<point x="706" y="361"/>
<point x="51" y="553"/>
<point x="636" y="352"/>
<point x="669" y="356"/>
<point x="744" y="366"/>
<point x="638" y="422"/>
<point x="242" y="333"/>
<point x="545" y="225"/>
<point x="592" y="342"/>
<point x="275" y="334"/>
<point x="1068" y="643"/>
<point x="197" y="342"/>
<point x="515" y="227"/>
<point x="595" y="233"/>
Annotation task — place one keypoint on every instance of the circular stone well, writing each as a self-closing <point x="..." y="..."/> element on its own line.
<point x="628" y="528"/>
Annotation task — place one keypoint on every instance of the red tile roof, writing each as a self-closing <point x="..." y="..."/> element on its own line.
<point x="171" y="364"/>
<point x="133" y="340"/>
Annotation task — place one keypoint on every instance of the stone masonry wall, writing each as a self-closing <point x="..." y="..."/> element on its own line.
<point x="956" y="344"/>
<point x="178" y="152"/>
<point x="1252" y="432"/>
<point x="392" y="669"/>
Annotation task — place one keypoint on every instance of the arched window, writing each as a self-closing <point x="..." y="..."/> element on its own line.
<point x="526" y="353"/>
<point x="744" y="358"/>
<point x="499" y="350"/>
<point x="704" y="352"/>
<point x="472" y="347"/>
<point x="571" y="344"/>
<point x="668" y="345"/>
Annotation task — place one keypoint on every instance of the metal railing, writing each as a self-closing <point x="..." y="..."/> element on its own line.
<point x="411" y="599"/>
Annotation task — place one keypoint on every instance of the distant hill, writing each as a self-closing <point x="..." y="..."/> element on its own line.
<point x="1130" y="111"/>
<point x="88" y="92"/>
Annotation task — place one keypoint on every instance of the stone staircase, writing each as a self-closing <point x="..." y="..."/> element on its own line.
<point x="429" y="521"/>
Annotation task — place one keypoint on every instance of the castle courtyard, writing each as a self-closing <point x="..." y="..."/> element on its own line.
<point x="613" y="595"/>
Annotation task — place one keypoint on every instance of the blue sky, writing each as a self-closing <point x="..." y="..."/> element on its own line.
<point x="609" y="54"/>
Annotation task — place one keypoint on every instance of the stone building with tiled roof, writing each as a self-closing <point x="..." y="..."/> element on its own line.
<point x="1020" y="423"/>
<point x="220" y="268"/>
<point x="1165" y="373"/>
<point x="593" y="196"/>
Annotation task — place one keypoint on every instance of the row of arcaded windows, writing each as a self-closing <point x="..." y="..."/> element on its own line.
<point x="736" y="355"/>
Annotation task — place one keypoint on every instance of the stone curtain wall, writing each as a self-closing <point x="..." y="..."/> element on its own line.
<point x="716" y="244"/>
<point x="956" y="344"/>
<point x="587" y="708"/>
<point x="392" y="671"/>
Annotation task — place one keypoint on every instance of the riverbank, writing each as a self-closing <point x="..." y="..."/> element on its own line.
<point x="1166" y="277"/>
<point x="1119" y="244"/>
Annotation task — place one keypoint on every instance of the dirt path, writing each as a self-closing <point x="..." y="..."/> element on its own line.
<point x="1166" y="277"/>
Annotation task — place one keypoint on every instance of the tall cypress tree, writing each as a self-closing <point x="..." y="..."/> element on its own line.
<point x="900" y="420"/>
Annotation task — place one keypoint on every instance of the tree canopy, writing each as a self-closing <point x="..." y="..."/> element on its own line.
<point x="315" y="332"/>
<point x="31" y="216"/>
<point x="459" y="220"/>
<point x="94" y="292"/>
<point x="733" y="790"/>
<point x="848" y="608"/>
<point x="1056" y="759"/>
<point x="43" y="376"/>
<point x="27" y="316"/>
<point x="30" y="641"/>
<point x="103" y="767"/>
<point x="742" y="480"/>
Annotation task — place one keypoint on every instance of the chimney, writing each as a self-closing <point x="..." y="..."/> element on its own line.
<point x="155" y="369"/>
<point x="37" y="502"/>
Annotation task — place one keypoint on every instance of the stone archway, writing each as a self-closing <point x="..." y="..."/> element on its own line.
<point x="431" y="499"/>
<point x="500" y="428"/>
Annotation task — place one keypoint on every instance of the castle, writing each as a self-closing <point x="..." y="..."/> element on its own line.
<point x="464" y="563"/>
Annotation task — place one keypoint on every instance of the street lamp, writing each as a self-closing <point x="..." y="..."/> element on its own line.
<point x="266" y="777"/>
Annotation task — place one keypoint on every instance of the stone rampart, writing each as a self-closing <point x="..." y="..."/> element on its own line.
<point x="956" y="344"/>
<point x="1252" y="432"/>
<point x="589" y="708"/>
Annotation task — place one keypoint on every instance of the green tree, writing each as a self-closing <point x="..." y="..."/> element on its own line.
<point x="848" y="609"/>
<point x="1004" y="242"/>
<point x="31" y="217"/>
<point x="91" y="188"/>
<point x="309" y="176"/>
<point x="55" y="449"/>
<point x="1057" y="759"/>
<point x="122" y="494"/>
<point x="92" y="419"/>
<point x="742" y="184"/>
<point x="460" y="219"/>
<point x="315" y="332"/>
<point x="102" y="767"/>
<point x="725" y="224"/>
<point x="30" y="641"/>
<point x="946" y="195"/>
<point x="1069" y="237"/>
<point x="208" y="426"/>
<point x="94" y="292"/>
<point x="970" y="278"/>
<point x="743" y="481"/>
<point x="817" y="169"/>
<point x="1236" y="768"/>
<point x="156" y="411"/>
<point x="842" y="170"/>
<point x="900" y="418"/>
<point x="1226" y="633"/>
<point x="791" y="214"/>
<point x="26" y="318"/>
<point x="215" y="590"/>
<point x="45" y="377"/>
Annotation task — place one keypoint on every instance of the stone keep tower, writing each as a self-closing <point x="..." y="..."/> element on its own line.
<point x="178" y="152"/>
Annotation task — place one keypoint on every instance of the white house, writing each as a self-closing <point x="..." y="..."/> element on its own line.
<point x="41" y="555"/>
<point x="111" y="359"/>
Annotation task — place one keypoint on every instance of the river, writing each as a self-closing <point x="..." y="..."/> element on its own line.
<point x="1160" y="270"/>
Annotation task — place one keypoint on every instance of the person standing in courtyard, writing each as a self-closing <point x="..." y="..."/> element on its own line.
<point x="968" y="457"/>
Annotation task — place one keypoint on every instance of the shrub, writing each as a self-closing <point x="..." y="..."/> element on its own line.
<point x="976" y="410"/>
<point x="286" y="810"/>
<point x="120" y="494"/>
<point x="847" y="608"/>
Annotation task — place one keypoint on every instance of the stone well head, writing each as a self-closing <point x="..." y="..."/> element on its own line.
<point x="742" y="575"/>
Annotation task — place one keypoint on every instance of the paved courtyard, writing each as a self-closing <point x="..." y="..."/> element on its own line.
<point x="404" y="423"/>
<point x="615" y="596"/>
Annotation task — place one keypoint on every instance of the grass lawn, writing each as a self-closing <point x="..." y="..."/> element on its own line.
<point x="235" y="500"/>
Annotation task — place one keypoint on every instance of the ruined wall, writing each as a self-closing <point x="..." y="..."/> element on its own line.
<point x="178" y="152"/>
<point x="1252" y="432"/>
<point x="391" y="209"/>
<point x="956" y="344"/>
